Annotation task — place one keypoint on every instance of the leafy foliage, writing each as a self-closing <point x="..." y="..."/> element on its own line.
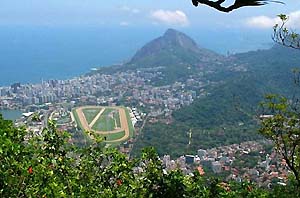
<point x="282" y="127"/>
<point x="173" y="139"/>
<point x="284" y="36"/>
<point x="46" y="165"/>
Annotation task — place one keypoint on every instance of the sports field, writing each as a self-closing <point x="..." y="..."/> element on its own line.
<point x="90" y="114"/>
<point x="112" y="123"/>
<point x="106" y="121"/>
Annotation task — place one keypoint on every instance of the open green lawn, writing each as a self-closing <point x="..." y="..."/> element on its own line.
<point x="85" y="137"/>
<point x="117" y="118"/>
<point x="131" y="128"/>
<point x="63" y="120"/>
<point x="90" y="114"/>
<point x="77" y="119"/>
<point x="105" y="122"/>
<point x="114" y="136"/>
<point x="107" y="111"/>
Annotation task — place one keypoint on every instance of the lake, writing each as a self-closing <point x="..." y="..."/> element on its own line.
<point x="11" y="114"/>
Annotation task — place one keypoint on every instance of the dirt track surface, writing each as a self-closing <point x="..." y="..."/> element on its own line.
<point x="123" y="120"/>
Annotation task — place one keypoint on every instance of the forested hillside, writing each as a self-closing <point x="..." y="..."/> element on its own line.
<point x="228" y="114"/>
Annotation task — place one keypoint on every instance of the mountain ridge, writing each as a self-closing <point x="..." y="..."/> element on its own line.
<point x="171" y="48"/>
<point x="227" y="115"/>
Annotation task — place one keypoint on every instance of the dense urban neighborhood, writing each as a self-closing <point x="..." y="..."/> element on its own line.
<point x="55" y="99"/>
<point x="150" y="95"/>
<point x="123" y="87"/>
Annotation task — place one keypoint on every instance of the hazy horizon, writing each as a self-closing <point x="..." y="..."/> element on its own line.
<point x="61" y="39"/>
<point x="35" y="53"/>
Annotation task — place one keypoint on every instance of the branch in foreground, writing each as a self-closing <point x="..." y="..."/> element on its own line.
<point x="237" y="4"/>
<point x="283" y="36"/>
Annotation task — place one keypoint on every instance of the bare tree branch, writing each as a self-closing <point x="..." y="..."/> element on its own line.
<point x="237" y="4"/>
<point x="283" y="36"/>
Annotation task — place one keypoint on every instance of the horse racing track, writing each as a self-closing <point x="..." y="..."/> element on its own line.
<point x="112" y="123"/>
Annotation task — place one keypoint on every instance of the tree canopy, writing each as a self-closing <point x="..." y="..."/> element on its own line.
<point x="49" y="165"/>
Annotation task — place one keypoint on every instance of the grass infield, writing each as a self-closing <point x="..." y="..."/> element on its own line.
<point x="90" y="114"/>
<point x="108" y="121"/>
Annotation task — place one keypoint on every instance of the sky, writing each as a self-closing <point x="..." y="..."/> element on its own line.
<point x="50" y="39"/>
<point x="137" y="13"/>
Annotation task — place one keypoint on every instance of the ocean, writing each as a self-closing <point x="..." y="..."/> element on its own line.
<point x="33" y="54"/>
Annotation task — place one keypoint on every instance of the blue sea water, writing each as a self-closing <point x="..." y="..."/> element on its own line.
<point x="33" y="54"/>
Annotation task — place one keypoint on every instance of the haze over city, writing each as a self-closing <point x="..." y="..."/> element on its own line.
<point x="40" y="38"/>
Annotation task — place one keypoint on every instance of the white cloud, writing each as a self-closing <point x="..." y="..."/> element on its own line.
<point x="176" y="17"/>
<point x="262" y="22"/>
<point x="294" y="19"/>
<point x="269" y="22"/>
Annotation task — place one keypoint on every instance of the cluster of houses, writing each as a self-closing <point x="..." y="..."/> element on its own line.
<point x="263" y="168"/>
